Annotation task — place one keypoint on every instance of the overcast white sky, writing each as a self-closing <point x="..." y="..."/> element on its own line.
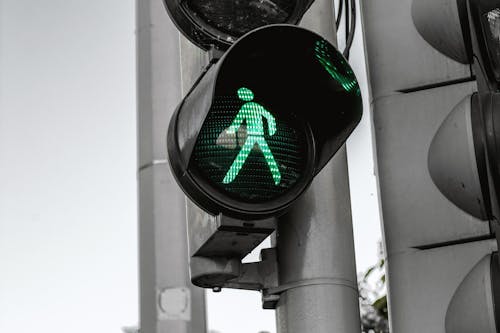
<point x="68" y="233"/>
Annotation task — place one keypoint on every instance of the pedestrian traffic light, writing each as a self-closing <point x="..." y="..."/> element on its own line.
<point x="219" y="23"/>
<point x="261" y="122"/>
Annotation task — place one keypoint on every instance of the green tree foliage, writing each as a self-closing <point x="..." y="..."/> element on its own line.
<point x="373" y="298"/>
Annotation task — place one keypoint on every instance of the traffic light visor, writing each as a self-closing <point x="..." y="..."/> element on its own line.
<point x="238" y="17"/>
<point x="474" y="305"/>
<point x="456" y="159"/>
<point x="444" y="24"/>
<point x="219" y="23"/>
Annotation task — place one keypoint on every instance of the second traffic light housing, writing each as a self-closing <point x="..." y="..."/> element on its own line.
<point x="219" y="23"/>
<point x="262" y="122"/>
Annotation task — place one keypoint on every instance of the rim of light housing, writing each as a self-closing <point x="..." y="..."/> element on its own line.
<point x="206" y="36"/>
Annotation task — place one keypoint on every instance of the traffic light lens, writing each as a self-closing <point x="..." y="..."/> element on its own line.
<point x="491" y="25"/>
<point x="238" y="17"/>
<point x="493" y="18"/>
<point x="261" y="122"/>
<point x="344" y="75"/>
<point x="247" y="151"/>
<point x="254" y="145"/>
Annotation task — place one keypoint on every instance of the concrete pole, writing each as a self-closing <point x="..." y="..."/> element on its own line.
<point x="315" y="239"/>
<point x="169" y="303"/>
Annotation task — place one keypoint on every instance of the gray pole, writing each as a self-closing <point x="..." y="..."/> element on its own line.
<point x="315" y="240"/>
<point x="168" y="301"/>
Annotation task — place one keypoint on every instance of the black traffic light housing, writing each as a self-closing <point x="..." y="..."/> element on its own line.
<point x="313" y="97"/>
<point x="219" y="23"/>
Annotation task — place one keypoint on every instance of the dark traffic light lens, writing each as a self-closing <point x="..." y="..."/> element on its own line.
<point x="248" y="150"/>
<point x="491" y="25"/>
<point x="237" y="17"/>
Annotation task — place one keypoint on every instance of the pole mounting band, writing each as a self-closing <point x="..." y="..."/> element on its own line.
<point x="312" y="282"/>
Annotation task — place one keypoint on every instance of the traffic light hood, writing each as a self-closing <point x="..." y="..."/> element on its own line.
<point x="444" y="24"/>
<point x="467" y="31"/>
<point x="456" y="159"/>
<point x="263" y="121"/>
<point x="464" y="156"/>
<point x="219" y="23"/>
<point x="475" y="305"/>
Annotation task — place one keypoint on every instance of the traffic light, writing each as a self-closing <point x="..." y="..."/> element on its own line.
<point x="262" y="121"/>
<point x="247" y="140"/>
<point x="470" y="35"/>
<point x="464" y="158"/>
<point x="219" y="23"/>
<point x="418" y="56"/>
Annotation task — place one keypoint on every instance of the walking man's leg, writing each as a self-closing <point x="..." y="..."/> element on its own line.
<point x="239" y="160"/>
<point x="271" y="162"/>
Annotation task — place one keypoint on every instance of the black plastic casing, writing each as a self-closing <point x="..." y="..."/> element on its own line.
<point x="206" y="36"/>
<point x="325" y="132"/>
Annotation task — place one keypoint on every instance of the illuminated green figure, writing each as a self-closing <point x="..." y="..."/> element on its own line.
<point x="252" y="113"/>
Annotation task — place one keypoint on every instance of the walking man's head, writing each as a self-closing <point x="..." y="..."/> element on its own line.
<point x="245" y="94"/>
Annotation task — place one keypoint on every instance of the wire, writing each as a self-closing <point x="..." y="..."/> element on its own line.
<point x="352" y="29"/>
<point x="339" y="14"/>
<point x="350" y="23"/>
<point x="346" y="20"/>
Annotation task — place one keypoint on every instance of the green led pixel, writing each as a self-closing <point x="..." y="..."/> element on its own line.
<point x="252" y="113"/>
<point x="323" y="55"/>
<point x="246" y="152"/>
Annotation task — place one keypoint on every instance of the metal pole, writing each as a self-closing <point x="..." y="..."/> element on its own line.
<point x="315" y="240"/>
<point x="168" y="301"/>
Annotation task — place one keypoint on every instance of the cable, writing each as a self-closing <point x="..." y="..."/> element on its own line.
<point x="352" y="29"/>
<point x="350" y="23"/>
<point x="339" y="14"/>
<point x="346" y="20"/>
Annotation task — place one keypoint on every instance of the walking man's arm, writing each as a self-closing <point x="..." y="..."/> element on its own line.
<point x="271" y="122"/>
<point x="236" y="123"/>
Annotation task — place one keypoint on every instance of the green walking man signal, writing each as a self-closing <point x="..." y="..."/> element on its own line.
<point x="241" y="146"/>
<point x="252" y="113"/>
